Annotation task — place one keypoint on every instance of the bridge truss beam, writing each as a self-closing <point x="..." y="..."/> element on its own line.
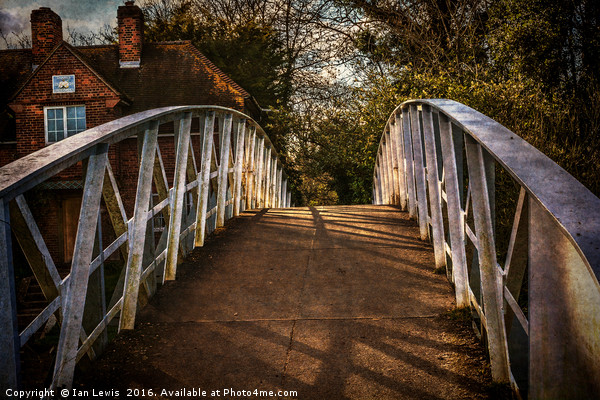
<point x="531" y="281"/>
<point x="193" y="202"/>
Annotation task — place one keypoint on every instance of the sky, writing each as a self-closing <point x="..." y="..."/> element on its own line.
<point x="80" y="15"/>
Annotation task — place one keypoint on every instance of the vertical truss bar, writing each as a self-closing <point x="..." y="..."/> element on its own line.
<point x="9" y="332"/>
<point x="223" y="169"/>
<point x="239" y="163"/>
<point x="435" y="199"/>
<point x="382" y="175"/>
<point x="279" y="184"/>
<point x="400" y="160"/>
<point x="204" y="178"/>
<point x="393" y="158"/>
<point x="183" y="145"/>
<point x="456" y="223"/>
<point x="491" y="282"/>
<point x="251" y="174"/>
<point x="419" y="166"/>
<point x="260" y="174"/>
<point x="409" y="163"/>
<point x="275" y="182"/>
<point x="268" y="160"/>
<point x="386" y="171"/>
<point x="376" y="195"/>
<point x="75" y="292"/>
<point x="284" y="193"/>
<point x="137" y="232"/>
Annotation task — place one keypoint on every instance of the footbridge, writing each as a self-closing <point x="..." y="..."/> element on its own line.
<point x="318" y="302"/>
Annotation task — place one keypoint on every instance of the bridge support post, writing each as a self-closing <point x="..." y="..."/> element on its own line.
<point x="435" y="200"/>
<point x="397" y="132"/>
<point x="385" y="170"/>
<point x="408" y="161"/>
<point x="223" y="169"/>
<point x="456" y="223"/>
<point x="394" y="159"/>
<point x="239" y="162"/>
<point x="9" y="333"/>
<point x="284" y="193"/>
<point x="267" y="173"/>
<point x="251" y="168"/>
<point x="204" y="178"/>
<point x="391" y="167"/>
<point x="74" y="294"/>
<point x="491" y="281"/>
<point x="261" y="150"/>
<point x="137" y="228"/>
<point x="272" y="186"/>
<point x="279" y="184"/>
<point x="174" y="229"/>
<point x="419" y="170"/>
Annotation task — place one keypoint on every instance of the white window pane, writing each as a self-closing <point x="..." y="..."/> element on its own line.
<point x="80" y="124"/>
<point x="71" y="126"/>
<point x="60" y="131"/>
<point x="56" y="119"/>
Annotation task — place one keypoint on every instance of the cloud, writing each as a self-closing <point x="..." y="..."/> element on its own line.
<point x="10" y="22"/>
<point x="82" y="15"/>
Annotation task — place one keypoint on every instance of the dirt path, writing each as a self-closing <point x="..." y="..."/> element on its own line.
<point x="330" y="302"/>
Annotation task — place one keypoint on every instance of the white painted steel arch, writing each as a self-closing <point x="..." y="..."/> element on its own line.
<point x="246" y="174"/>
<point x="438" y="159"/>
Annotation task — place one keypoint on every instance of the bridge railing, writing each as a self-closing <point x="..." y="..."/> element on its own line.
<point x="234" y="168"/>
<point x="517" y="235"/>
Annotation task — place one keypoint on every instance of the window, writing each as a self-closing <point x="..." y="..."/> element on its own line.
<point x="62" y="122"/>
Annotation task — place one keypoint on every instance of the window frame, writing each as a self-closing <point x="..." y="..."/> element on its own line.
<point x="64" y="110"/>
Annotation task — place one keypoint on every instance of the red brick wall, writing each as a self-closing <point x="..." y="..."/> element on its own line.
<point x="46" y="33"/>
<point x="89" y="91"/>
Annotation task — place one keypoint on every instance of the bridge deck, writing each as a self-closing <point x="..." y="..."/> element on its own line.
<point x="332" y="302"/>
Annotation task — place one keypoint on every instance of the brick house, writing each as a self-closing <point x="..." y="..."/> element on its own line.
<point x="55" y="90"/>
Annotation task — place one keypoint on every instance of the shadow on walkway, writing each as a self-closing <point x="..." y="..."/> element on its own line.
<point x="330" y="302"/>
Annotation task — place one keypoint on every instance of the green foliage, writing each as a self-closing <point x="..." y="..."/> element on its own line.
<point x="249" y="51"/>
<point x="532" y="65"/>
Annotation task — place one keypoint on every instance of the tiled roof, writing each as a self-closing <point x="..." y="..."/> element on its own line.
<point x="171" y="73"/>
<point x="15" y="68"/>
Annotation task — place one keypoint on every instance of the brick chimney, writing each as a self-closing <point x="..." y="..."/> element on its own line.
<point x="46" y="33"/>
<point x="131" y="35"/>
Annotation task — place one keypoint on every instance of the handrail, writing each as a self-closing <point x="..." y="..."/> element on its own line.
<point x="554" y="240"/>
<point x="206" y="189"/>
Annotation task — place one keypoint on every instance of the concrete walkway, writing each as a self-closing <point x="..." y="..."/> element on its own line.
<point x="331" y="302"/>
